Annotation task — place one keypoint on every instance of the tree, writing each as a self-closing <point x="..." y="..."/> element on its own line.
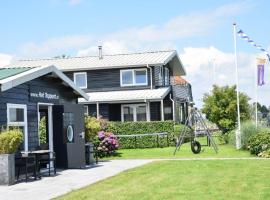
<point x="220" y="107"/>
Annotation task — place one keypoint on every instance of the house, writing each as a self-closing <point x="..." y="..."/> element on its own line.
<point x="29" y="93"/>
<point x="127" y="87"/>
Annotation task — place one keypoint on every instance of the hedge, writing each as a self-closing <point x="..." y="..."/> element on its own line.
<point x="129" y="128"/>
<point x="260" y="142"/>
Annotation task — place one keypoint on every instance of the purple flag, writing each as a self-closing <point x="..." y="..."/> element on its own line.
<point x="260" y="71"/>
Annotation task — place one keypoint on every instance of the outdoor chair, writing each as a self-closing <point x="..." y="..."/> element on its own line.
<point x="25" y="162"/>
<point x="46" y="159"/>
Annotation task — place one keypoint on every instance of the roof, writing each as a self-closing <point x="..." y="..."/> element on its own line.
<point x="7" y="72"/>
<point x="178" y="80"/>
<point x="14" y="77"/>
<point x="128" y="95"/>
<point x="109" y="61"/>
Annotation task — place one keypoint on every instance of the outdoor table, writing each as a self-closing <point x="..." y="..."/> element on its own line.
<point x="36" y="153"/>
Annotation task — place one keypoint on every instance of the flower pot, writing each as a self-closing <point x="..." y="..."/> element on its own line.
<point x="89" y="153"/>
<point x="7" y="169"/>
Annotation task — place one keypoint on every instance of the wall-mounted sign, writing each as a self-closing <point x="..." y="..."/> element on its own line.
<point x="45" y="95"/>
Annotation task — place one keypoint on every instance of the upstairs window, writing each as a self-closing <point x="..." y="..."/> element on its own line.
<point x="80" y="79"/>
<point x="133" y="77"/>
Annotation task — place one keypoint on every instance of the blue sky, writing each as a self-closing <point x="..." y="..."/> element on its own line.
<point x="201" y="31"/>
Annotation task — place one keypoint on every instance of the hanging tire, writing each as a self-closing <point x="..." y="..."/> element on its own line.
<point x="195" y="147"/>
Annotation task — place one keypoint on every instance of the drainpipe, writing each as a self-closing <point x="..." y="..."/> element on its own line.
<point x="147" y="111"/>
<point x="97" y="110"/>
<point x="173" y="107"/>
<point x="162" y="109"/>
<point x="151" y="76"/>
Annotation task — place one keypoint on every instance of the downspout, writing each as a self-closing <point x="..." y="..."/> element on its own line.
<point x="173" y="107"/>
<point x="151" y="76"/>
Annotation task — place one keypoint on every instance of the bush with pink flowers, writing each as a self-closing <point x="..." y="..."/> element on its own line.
<point x="106" y="144"/>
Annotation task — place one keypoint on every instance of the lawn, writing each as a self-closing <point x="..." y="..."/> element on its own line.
<point x="225" y="151"/>
<point x="214" y="179"/>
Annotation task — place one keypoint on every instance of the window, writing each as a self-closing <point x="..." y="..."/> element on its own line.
<point x="17" y="118"/>
<point x="160" y="75"/>
<point x="85" y="110"/>
<point x="167" y="112"/>
<point x="80" y="79"/>
<point x="134" y="112"/>
<point x="133" y="77"/>
<point x="167" y="76"/>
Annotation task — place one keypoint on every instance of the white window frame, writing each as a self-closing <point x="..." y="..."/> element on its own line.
<point x="134" y="107"/>
<point x="133" y="77"/>
<point x="87" y="110"/>
<point x="23" y="124"/>
<point x="80" y="73"/>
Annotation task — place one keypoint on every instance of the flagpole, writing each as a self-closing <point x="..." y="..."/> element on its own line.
<point x="238" y="131"/>
<point x="214" y="71"/>
<point x="256" y="97"/>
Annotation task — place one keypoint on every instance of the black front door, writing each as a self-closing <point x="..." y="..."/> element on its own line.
<point x="69" y="135"/>
<point x="75" y="144"/>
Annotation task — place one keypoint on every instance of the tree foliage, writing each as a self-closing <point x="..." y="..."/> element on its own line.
<point x="220" y="107"/>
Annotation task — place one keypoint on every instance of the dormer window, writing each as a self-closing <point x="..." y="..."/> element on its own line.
<point x="133" y="77"/>
<point x="80" y="79"/>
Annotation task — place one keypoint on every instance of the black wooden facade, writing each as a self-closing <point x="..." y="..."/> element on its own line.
<point x="109" y="80"/>
<point x="20" y="95"/>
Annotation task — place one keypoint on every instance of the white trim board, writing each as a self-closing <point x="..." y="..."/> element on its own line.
<point x="37" y="72"/>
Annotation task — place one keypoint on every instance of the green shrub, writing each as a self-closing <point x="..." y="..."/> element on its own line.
<point x="10" y="141"/>
<point x="248" y="129"/>
<point x="223" y="138"/>
<point x="231" y="137"/>
<point x="42" y="131"/>
<point x="129" y="128"/>
<point x="260" y="142"/>
<point x="92" y="127"/>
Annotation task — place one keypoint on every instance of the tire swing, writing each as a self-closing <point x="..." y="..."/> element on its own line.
<point x="195" y="147"/>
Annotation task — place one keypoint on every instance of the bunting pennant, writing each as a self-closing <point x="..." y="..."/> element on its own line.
<point x="260" y="71"/>
<point x="249" y="40"/>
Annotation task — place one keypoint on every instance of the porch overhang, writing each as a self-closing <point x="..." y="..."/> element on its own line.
<point x="127" y="96"/>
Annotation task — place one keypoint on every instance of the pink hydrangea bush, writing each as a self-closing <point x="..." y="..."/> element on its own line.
<point x="106" y="144"/>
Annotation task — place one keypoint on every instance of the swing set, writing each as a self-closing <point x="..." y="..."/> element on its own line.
<point x="198" y="127"/>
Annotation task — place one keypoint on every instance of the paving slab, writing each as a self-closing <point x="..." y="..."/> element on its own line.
<point x="66" y="181"/>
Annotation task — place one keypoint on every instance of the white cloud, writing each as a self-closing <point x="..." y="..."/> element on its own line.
<point x="55" y="46"/>
<point x="164" y="36"/>
<point x="5" y="59"/>
<point x="200" y="72"/>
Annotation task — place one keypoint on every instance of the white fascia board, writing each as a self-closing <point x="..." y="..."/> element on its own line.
<point x="109" y="67"/>
<point x="36" y="72"/>
<point x="82" y="101"/>
<point x="169" y="58"/>
<point x="185" y="72"/>
<point x="70" y="83"/>
<point x="23" y="77"/>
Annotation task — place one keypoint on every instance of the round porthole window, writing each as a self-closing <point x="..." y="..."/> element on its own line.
<point x="70" y="133"/>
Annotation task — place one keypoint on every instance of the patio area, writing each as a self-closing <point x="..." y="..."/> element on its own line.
<point x="67" y="180"/>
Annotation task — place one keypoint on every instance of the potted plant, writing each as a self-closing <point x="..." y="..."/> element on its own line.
<point x="9" y="143"/>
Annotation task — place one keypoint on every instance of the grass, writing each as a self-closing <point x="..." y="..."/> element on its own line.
<point x="215" y="179"/>
<point x="226" y="151"/>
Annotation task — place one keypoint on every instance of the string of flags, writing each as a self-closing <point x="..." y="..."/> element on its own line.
<point x="249" y="40"/>
<point x="260" y="62"/>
